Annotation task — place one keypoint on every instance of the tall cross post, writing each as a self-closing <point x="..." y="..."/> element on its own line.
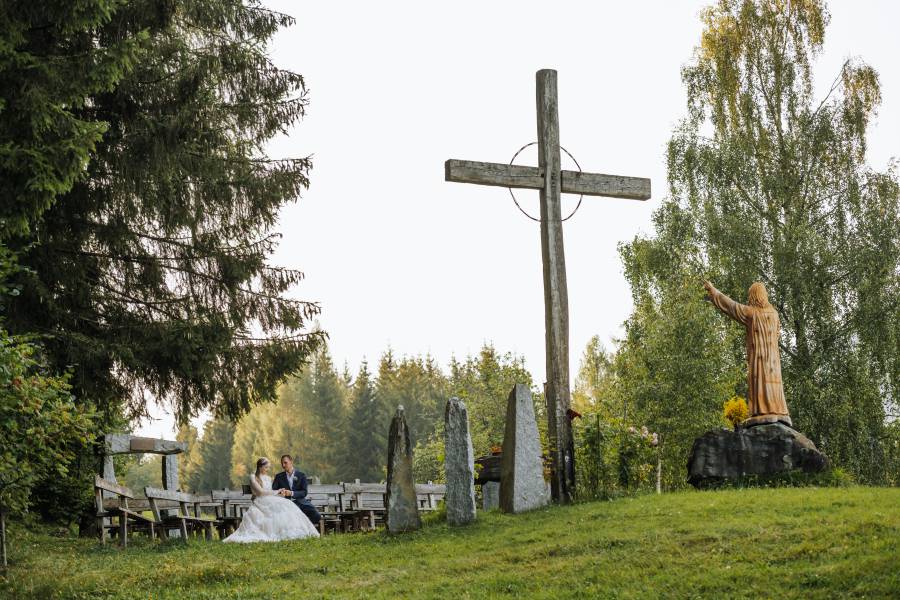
<point x="551" y="180"/>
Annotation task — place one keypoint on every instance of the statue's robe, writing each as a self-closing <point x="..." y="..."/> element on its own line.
<point x="765" y="397"/>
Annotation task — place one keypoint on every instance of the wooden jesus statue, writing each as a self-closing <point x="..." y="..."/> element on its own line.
<point x="765" y="396"/>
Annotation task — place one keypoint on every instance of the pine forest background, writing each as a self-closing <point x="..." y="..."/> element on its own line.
<point x="336" y="423"/>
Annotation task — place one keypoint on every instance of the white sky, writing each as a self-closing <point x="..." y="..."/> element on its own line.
<point x="398" y="257"/>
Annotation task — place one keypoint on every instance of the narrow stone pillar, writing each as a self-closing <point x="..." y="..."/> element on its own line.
<point x="522" y="485"/>
<point x="402" y="505"/>
<point x="170" y="482"/>
<point x="109" y="470"/>
<point x="459" y="464"/>
<point x="170" y="472"/>
<point x="490" y="495"/>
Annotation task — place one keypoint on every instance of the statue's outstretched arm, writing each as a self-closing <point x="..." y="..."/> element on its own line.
<point x="737" y="311"/>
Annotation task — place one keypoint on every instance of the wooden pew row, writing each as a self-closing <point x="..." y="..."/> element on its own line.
<point x="186" y="517"/>
<point x="368" y="501"/>
<point x="117" y="509"/>
<point x="344" y="507"/>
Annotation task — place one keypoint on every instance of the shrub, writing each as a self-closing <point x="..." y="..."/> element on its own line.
<point x="40" y="423"/>
<point x="735" y="410"/>
<point x="613" y="459"/>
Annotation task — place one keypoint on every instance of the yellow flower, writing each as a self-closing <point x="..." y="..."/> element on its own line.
<point x="735" y="410"/>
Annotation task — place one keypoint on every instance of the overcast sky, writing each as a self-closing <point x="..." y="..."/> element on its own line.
<point x="396" y="256"/>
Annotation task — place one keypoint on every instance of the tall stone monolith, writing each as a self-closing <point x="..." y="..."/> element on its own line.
<point x="402" y="506"/>
<point x="459" y="464"/>
<point x="522" y="485"/>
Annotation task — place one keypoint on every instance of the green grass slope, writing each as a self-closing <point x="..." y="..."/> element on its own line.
<point x="763" y="543"/>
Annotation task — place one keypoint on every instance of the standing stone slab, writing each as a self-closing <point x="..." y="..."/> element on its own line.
<point x="490" y="495"/>
<point x="402" y="505"/>
<point x="522" y="485"/>
<point x="459" y="464"/>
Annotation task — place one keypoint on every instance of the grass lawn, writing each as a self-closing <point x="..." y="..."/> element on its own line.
<point x="762" y="543"/>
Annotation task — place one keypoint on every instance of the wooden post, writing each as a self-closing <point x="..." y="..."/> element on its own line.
<point x="123" y="529"/>
<point x="658" y="473"/>
<point x="3" y="536"/>
<point x="551" y="181"/>
<point x="556" y="295"/>
<point x="158" y="517"/>
<point x="101" y="521"/>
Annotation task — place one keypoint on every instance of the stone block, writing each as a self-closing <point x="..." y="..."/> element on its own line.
<point x="402" y="503"/>
<point x="522" y="485"/>
<point x="490" y="495"/>
<point x="459" y="464"/>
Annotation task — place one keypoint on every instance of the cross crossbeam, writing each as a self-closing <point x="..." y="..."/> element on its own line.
<point x="551" y="181"/>
<point x="571" y="182"/>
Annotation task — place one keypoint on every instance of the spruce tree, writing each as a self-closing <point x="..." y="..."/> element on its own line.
<point x="326" y="404"/>
<point x="50" y="65"/>
<point x="260" y="432"/>
<point x="366" y="450"/>
<point x="214" y="469"/>
<point x="150" y="276"/>
<point x="421" y="388"/>
<point x="188" y="461"/>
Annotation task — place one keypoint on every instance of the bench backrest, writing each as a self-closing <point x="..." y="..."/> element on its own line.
<point x="123" y="494"/>
<point x="429" y="494"/>
<point x="326" y="497"/>
<point x="233" y="501"/>
<point x="229" y="495"/>
<point x="185" y="501"/>
<point x="366" y="495"/>
<point x="372" y="495"/>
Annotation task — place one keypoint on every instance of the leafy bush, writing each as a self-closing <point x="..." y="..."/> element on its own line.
<point x="613" y="459"/>
<point x="428" y="458"/>
<point x="40" y="423"/>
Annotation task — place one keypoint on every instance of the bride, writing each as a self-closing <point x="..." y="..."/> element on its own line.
<point x="271" y="517"/>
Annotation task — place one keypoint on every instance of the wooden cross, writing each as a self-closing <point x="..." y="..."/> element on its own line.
<point x="551" y="181"/>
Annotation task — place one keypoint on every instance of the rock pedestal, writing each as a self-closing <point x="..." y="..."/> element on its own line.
<point x="522" y="485"/>
<point x="402" y="506"/>
<point x="459" y="464"/>
<point x="767" y="449"/>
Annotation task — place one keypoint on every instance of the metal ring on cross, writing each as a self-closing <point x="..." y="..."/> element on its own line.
<point x="511" y="193"/>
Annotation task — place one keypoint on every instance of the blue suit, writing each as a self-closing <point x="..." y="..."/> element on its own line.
<point x="298" y="489"/>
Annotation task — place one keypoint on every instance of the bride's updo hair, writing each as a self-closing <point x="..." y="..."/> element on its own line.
<point x="262" y="462"/>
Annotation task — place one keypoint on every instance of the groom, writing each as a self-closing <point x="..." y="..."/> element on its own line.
<point x="294" y="485"/>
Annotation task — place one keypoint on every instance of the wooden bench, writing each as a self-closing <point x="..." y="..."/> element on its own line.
<point x="367" y="506"/>
<point x="111" y="508"/>
<point x="185" y="519"/>
<point x="368" y="501"/>
<point x="429" y="494"/>
<point x="232" y="506"/>
<point x="333" y="505"/>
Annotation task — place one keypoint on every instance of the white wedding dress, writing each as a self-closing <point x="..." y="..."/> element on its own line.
<point x="271" y="518"/>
